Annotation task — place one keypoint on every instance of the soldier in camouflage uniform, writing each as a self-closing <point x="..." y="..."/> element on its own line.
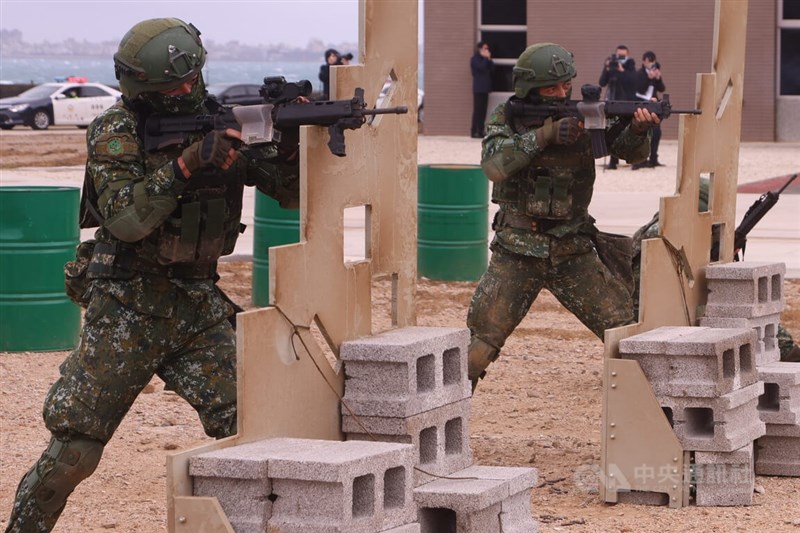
<point x="165" y="218"/>
<point x="543" y="176"/>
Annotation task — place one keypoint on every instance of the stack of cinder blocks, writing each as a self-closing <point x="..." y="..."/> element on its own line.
<point x="405" y="468"/>
<point x="750" y="295"/>
<point x="706" y="382"/>
<point x="722" y="386"/>
<point x="410" y="385"/>
<point x="310" y="486"/>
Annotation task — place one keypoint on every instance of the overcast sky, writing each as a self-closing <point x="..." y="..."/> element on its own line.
<point x="293" y="22"/>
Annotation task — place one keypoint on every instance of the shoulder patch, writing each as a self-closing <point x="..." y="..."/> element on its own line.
<point x="116" y="145"/>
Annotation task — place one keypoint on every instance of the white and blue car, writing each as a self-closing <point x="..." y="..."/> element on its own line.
<point x="57" y="104"/>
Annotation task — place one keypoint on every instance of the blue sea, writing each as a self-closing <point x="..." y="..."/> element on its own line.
<point x="42" y="69"/>
<point x="99" y="69"/>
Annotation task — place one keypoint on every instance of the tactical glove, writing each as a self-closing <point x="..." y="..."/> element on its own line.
<point x="211" y="151"/>
<point x="564" y="131"/>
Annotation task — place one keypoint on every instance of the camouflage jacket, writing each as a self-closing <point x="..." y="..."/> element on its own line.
<point x="155" y="217"/>
<point x="556" y="187"/>
<point x="145" y="200"/>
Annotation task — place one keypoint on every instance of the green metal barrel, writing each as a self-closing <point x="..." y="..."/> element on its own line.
<point x="38" y="235"/>
<point x="274" y="226"/>
<point x="453" y="222"/>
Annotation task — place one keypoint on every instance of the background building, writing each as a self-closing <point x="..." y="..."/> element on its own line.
<point x="679" y="32"/>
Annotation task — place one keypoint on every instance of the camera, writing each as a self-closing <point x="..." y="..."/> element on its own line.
<point x="277" y="90"/>
<point x="615" y="60"/>
<point x="654" y="66"/>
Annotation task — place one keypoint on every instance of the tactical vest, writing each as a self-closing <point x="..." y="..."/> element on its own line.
<point x="203" y="227"/>
<point x="206" y="223"/>
<point x="557" y="185"/>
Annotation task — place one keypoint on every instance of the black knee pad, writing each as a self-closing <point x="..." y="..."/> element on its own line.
<point x="65" y="463"/>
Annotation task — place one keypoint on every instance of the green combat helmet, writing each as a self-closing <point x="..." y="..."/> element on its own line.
<point x="541" y="65"/>
<point x="158" y="55"/>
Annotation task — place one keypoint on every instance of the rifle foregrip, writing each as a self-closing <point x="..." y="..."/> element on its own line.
<point x="336" y="140"/>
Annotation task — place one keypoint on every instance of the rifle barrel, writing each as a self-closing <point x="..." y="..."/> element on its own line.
<point x="686" y="112"/>
<point x="791" y="179"/>
<point x="386" y="110"/>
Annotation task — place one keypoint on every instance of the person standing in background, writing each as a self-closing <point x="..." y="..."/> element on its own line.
<point x="332" y="57"/>
<point x="619" y="76"/>
<point x="481" y="65"/>
<point x="648" y="86"/>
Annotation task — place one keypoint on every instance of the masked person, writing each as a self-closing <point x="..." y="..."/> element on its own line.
<point x="543" y="175"/>
<point x="165" y="217"/>
<point x="649" y="85"/>
<point x="619" y="78"/>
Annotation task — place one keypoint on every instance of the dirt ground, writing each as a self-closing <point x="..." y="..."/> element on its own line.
<point x="540" y="407"/>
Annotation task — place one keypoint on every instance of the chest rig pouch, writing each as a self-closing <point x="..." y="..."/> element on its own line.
<point x="547" y="194"/>
<point x="549" y="187"/>
<point x="206" y="223"/>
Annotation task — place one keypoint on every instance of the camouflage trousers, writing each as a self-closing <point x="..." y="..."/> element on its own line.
<point x="512" y="282"/>
<point x="190" y="346"/>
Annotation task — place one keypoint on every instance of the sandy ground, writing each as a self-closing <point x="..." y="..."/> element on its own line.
<point x="538" y="407"/>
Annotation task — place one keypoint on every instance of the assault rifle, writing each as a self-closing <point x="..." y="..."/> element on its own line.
<point x="754" y="215"/>
<point x="277" y="120"/>
<point x="592" y="111"/>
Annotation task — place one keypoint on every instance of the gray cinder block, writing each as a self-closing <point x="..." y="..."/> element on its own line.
<point x="408" y="528"/>
<point x="405" y="371"/>
<point x="694" y="361"/>
<point x="248" y="461"/>
<point x="744" y="289"/>
<point x="766" y="328"/>
<point x="478" y="499"/>
<point x="351" y="486"/>
<point x="783" y="430"/>
<point x="245" y="501"/>
<point x="654" y="341"/>
<point x="238" y="477"/>
<point x="778" y="455"/>
<point x="722" y="424"/>
<point x="724" y="478"/>
<point x="440" y="437"/>
<point x="780" y="403"/>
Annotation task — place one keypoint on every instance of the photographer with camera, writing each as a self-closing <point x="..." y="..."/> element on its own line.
<point x="619" y="76"/>
<point x="648" y="85"/>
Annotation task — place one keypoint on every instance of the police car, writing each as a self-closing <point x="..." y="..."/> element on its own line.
<point x="57" y="104"/>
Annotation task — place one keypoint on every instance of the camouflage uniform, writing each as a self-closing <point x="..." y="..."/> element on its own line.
<point x="544" y="237"/>
<point x="153" y="306"/>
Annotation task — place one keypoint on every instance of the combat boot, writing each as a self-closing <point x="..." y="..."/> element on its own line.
<point x="480" y="355"/>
